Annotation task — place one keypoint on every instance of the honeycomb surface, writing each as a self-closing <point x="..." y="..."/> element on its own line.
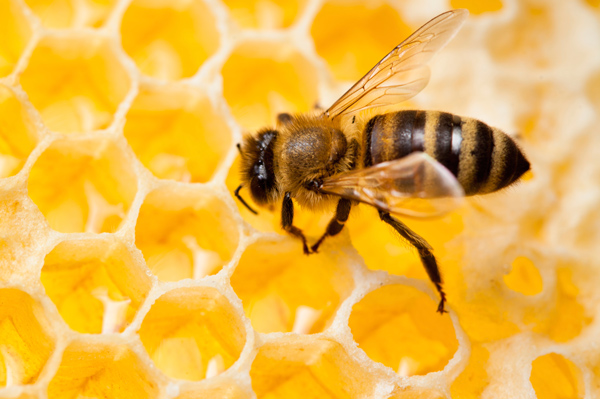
<point x="127" y="269"/>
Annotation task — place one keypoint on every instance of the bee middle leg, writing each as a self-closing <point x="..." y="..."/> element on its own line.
<point x="425" y="253"/>
<point x="336" y="224"/>
<point x="287" y="220"/>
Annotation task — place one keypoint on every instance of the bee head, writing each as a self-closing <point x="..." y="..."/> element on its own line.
<point x="257" y="167"/>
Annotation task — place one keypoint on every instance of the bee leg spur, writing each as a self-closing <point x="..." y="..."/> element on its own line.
<point x="287" y="218"/>
<point x="425" y="253"/>
<point x="337" y="222"/>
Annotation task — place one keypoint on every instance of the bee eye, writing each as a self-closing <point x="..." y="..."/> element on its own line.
<point x="258" y="189"/>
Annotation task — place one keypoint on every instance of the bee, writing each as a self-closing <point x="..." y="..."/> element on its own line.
<point x="411" y="162"/>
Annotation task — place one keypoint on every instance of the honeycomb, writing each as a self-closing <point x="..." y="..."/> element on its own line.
<point x="128" y="270"/>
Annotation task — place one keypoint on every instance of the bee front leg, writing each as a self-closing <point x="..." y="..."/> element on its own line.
<point x="287" y="218"/>
<point x="425" y="253"/>
<point x="337" y="222"/>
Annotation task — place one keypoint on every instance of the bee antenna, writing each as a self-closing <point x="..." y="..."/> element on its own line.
<point x="238" y="196"/>
<point x="239" y="147"/>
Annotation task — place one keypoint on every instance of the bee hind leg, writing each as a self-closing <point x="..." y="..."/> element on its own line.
<point x="287" y="220"/>
<point x="425" y="253"/>
<point x="336" y="224"/>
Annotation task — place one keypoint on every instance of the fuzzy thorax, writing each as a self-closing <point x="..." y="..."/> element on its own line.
<point x="310" y="148"/>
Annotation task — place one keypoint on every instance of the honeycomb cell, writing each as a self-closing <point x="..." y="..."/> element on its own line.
<point x="283" y="290"/>
<point x="193" y="333"/>
<point x="524" y="277"/>
<point x="398" y="326"/>
<point x="83" y="185"/>
<point x="262" y="79"/>
<point x="76" y="82"/>
<point x="477" y="7"/>
<point x="185" y="233"/>
<point x="17" y="133"/>
<point x="566" y="317"/>
<point x="304" y="367"/>
<point x="102" y="370"/>
<point x="555" y="377"/>
<point x="167" y="39"/>
<point x="25" y="338"/>
<point x="474" y="378"/>
<point x="72" y="13"/>
<point x="95" y="284"/>
<point x="177" y="133"/>
<point x="265" y="14"/>
<point x="354" y="36"/>
<point x="15" y="33"/>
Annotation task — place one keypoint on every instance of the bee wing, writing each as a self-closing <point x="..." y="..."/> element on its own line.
<point x="416" y="186"/>
<point x="402" y="73"/>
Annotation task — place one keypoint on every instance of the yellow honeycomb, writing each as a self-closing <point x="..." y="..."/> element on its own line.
<point x="127" y="269"/>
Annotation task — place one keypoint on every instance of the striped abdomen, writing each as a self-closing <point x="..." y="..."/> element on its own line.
<point x="482" y="158"/>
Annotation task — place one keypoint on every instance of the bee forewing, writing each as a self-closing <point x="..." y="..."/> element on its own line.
<point x="402" y="73"/>
<point x="416" y="186"/>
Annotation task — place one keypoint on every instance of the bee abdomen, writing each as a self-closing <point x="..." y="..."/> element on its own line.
<point x="482" y="158"/>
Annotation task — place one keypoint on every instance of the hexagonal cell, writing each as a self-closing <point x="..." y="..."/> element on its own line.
<point x="398" y="326"/>
<point x="564" y="319"/>
<point x="553" y="376"/>
<point x="72" y="13"/>
<point x="283" y="290"/>
<point x="15" y="32"/>
<point x="95" y="284"/>
<point x="265" y="14"/>
<point x="262" y="79"/>
<point x="477" y="7"/>
<point x="176" y="133"/>
<point x="83" y="185"/>
<point x="102" y="370"/>
<point x="524" y="277"/>
<point x="305" y="367"/>
<point x="17" y="133"/>
<point x="25" y="339"/>
<point x="185" y="233"/>
<point x="474" y="378"/>
<point x="169" y="39"/>
<point x="193" y="333"/>
<point x="382" y="249"/>
<point x="75" y="82"/>
<point x="376" y="28"/>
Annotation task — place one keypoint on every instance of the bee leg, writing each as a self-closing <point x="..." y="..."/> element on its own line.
<point x="425" y="253"/>
<point x="337" y="222"/>
<point x="287" y="218"/>
<point x="283" y="119"/>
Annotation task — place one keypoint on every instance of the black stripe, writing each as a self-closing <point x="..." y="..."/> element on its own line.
<point x="443" y="140"/>
<point x="403" y="122"/>
<point x="484" y="145"/>
<point x="418" y="131"/>
<point x="367" y="161"/>
<point x="509" y="162"/>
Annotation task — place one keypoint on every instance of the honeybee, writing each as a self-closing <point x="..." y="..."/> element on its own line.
<point x="411" y="162"/>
